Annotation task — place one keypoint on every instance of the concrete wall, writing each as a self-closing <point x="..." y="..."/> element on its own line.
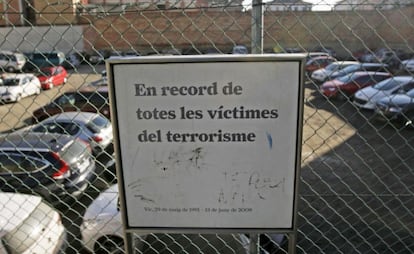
<point x="42" y="38"/>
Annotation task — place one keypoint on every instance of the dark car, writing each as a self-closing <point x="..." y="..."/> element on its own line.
<point x="54" y="166"/>
<point x="398" y="108"/>
<point x="347" y="85"/>
<point x="360" y="67"/>
<point x="87" y="99"/>
<point x="37" y="60"/>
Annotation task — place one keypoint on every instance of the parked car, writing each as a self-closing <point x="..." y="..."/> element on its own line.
<point x="86" y="99"/>
<point x="398" y="108"/>
<point x="37" y="60"/>
<point x="391" y="57"/>
<point x="407" y="65"/>
<point x="313" y="54"/>
<point x="52" y="76"/>
<point x="72" y="61"/>
<point x="324" y="74"/>
<point x="94" y="129"/>
<point x="54" y="166"/>
<point x="360" y="67"/>
<point x="102" y="232"/>
<point x="240" y="49"/>
<point x="14" y="87"/>
<point x="368" y="97"/>
<point x="326" y="49"/>
<point x="318" y="62"/>
<point x="347" y="85"/>
<point x="12" y="61"/>
<point x="29" y="225"/>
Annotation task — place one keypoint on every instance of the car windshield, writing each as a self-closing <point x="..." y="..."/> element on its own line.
<point x="348" y="78"/>
<point x="332" y="67"/>
<point x="66" y="99"/>
<point x="411" y="93"/>
<point x="11" y="82"/>
<point x="388" y="84"/>
<point x="350" y="68"/>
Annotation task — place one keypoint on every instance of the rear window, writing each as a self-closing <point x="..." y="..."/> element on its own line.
<point x="26" y="234"/>
<point x="97" y="124"/>
<point x="75" y="149"/>
<point x="11" y="82"/>
<point x="58" y="127"/>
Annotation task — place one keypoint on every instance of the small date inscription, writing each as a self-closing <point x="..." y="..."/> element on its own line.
<point x="198" y="210"/>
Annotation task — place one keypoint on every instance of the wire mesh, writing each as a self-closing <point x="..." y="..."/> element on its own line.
<point x="356" y="185"/>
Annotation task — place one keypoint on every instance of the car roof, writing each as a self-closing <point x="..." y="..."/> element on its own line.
<point x="31" y="141"/>
<point x="16" y="75"/>
<point x="403" y="78"/>
<point x="360" y="73"/>
<point x="373" y="64"/>
<point x="12" y="211"/>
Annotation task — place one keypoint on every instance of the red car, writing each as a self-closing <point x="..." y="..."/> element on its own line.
<point x="52" y="76"/>
<point x="318" y="62"/>
<point x="347" y="85"/>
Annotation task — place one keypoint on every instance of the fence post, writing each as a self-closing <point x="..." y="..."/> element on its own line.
<point x="254" y="244"/>
<point x="257" y="27"/>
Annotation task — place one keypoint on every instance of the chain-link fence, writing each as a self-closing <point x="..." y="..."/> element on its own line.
<point x="357" y="180"/>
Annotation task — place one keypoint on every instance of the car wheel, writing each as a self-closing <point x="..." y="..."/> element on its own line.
<point x="109" y="245"/>
<point x="18" y="97"/>
<point x="341" y="96"/>
<point x="38" y="90"/>
<point x="10" y="69"/>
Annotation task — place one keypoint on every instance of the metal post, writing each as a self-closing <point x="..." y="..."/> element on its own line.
<point x="129" y="243"/>
<point x="257" y="27"/>
<point x="254" y="244"/>
<point x="292" y="243"/>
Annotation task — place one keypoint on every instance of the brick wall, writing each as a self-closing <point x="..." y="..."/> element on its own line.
<point x="206" y="28"/>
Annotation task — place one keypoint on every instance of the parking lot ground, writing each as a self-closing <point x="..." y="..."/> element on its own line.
<point x="356" y="187"/>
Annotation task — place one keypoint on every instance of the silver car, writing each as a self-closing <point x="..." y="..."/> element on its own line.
<point x="92" y="128"/>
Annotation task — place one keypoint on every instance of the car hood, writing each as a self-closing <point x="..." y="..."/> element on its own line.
<point x="106" y="204"/>
<point x="322" y="71"/>
<point x="397" y="99"/>
<point x="370" y="93"/>
<point x="332" y="83"/>
<point x="408" y="61"/>
<point x="15" y="208"/>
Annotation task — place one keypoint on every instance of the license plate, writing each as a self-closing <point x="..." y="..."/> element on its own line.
<point x="84" y="165"/>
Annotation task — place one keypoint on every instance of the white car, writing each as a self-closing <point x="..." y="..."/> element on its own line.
<point x="12" y="61"/>
<point x="29" y="225"/>
<point x="102" y="231"/>
<point x="368" y="97"/>
<point x="14" y="87"/>
<point x="324" y="74"/>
